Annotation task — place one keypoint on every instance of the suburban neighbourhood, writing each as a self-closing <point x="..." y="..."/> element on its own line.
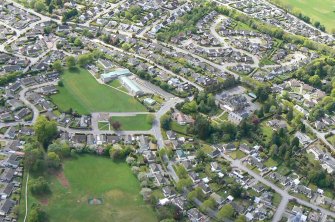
<point x="165" y="110"/>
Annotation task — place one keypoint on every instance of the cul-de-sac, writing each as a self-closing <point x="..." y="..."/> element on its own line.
<point x="167" y="110"/>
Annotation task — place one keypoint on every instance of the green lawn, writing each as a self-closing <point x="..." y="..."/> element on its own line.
<point x="103" y="125"/>
<point x="91" y="176"/>
<point x="276" y="198"/>
<point x="84" y="94"/>
<point x="322" y="11"/>
<point x="271" y="163"/>
<point x="178" y="128"/>
<point x="238" y="154"/>
<point x="138" y="122"/>
<point x="331" y="139"/>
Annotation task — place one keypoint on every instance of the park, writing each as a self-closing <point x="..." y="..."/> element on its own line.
<point x="81" y="92"/>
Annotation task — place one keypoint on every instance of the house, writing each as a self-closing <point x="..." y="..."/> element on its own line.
<point x="229" y="147"/>
<point x="214" y="153"/>
<point x="12" y="161"/>
<point x="155" y="168"/>
<point x="160" y="179"/>
<point x="218" y="199"/>
<point x="194" y="215"/>
<point x="256" y="162"/>
<point x="6" y="206"/>
<point x="179" y="202"/>
<point x="181" y="155"/>
<point x="303" y="190"/>
<point x="215" y="167"/>
<point x="48" y="90"/>
<point x="79" y="138"/>
<point x="181" y="118"/>
<point x="204" y="187"/>
<point x="237" y="117"/>
<point x="314" y="216"/>
<point x="259" y="188"/>
<point x="187" y="164"/>
<point x="171" y="135"/>
<point x="168" y="192"/>
<point x="22" y="113"/>
<point x="245" y="148"/>
<point x="194" y="177"/>
<point x="6" y="190"/>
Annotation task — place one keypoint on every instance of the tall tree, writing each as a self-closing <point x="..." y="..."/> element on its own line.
<point x="45" y="130"/>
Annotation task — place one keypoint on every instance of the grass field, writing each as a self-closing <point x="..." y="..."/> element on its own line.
<point x="322" y="11"/>
<point x="91" y="176"/>
<point x="84" y="94"/>
<point x="138" y="122"/>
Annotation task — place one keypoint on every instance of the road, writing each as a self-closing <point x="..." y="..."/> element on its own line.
<point x="26" y="199"/>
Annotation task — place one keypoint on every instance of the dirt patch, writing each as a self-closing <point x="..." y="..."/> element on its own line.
<point x="62" y="179"/>
<point x="44" y="201"/>
<point x="115" y="194"/>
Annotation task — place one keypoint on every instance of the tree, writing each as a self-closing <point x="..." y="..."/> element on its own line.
<point x="241" y="218"/>
<point x="85" y="59"/>
<point x="53" y="160"/>
<point x="34" y="159"/>
<point x="227" y="211"/>
<point x="263" y="93"/>
<point x="196" y="194"/>
<point x="61" y="148"/>
<point x="45" y="130"/>
<point x="77" y="42"/>
<point x="208" y="204"/>
<point x="39" y="186"/>
<point x="39" y="6"/>
<point x="189" y="107"/>
<point x="116" y="125"/>
<point x="70" y="62"/>
<point x="36" y="214"/>
<point x="202" y="127"/>
<point x="201" y="156"/>
<point x="146" y="193"/>
<point x="289" y="115"/>
<point x="150" y="119"/>
<point x="184" y="183"/>
<point x="315" y="81"/>
<point x="295" y="142"/>
<point x="166" y="122"/>
<point x="116" y="152"/>
<point x="57" y="65"/>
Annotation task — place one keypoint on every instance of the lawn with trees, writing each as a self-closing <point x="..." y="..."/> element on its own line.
<point x="83" y="94"/>
<point x="120" y="191"/>
<point x="82" y="179"/>
<point x="317" y="11"/>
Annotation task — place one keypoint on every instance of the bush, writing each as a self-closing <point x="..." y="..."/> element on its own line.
<point x="39" y="187"/>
